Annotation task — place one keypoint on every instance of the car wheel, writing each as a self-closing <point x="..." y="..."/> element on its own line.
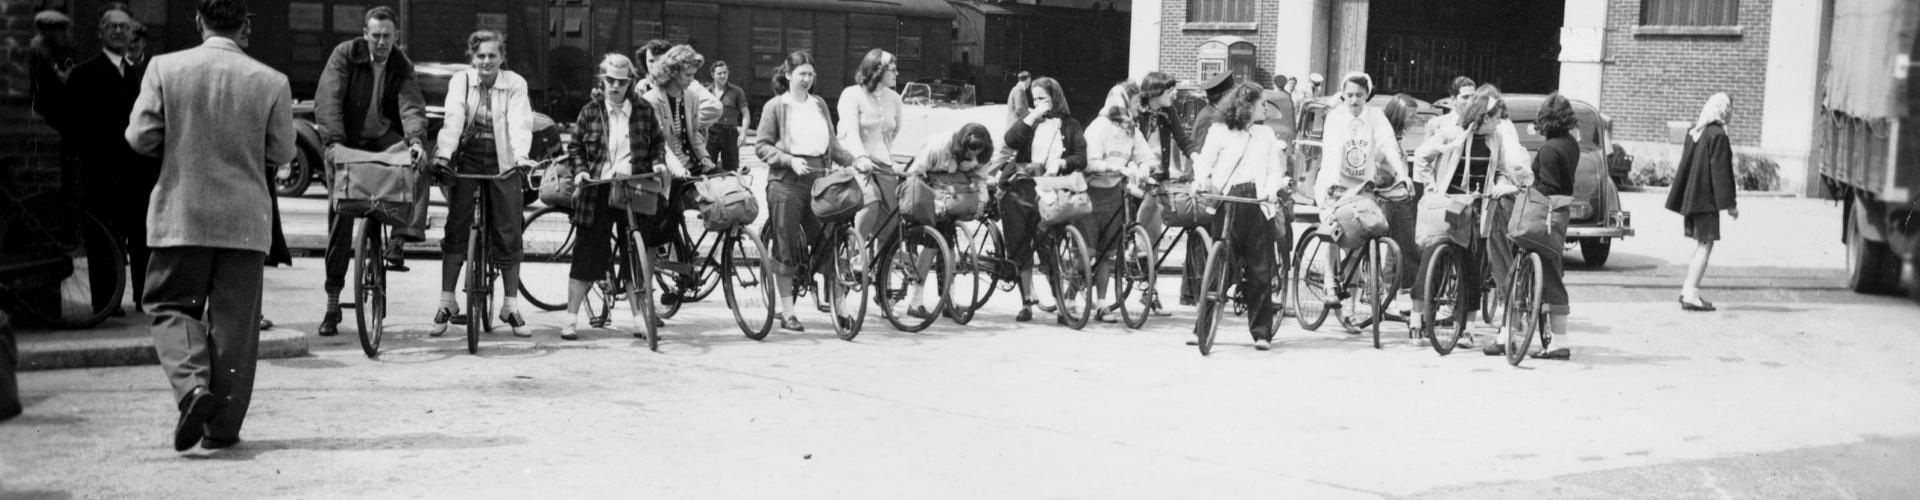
<point x="1596" y="251"/>
<point x="293" y="179"/>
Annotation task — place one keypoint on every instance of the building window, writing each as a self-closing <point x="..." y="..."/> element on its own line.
<point x="1689" y="12"/>
<point x="1220" y="11"/>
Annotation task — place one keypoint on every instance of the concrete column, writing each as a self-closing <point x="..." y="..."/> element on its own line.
<point x="1583" y="49"/>
<point x="1793" y="54"/>
<point x="1297" y="38"/>
<point x="1143" y="44"/>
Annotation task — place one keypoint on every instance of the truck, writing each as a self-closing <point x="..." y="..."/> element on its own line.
<point x="1866" y="141"/>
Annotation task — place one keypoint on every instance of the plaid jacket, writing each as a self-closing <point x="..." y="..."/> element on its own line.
<point x="588" y="151"/>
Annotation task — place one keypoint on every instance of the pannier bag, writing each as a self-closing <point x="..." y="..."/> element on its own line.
<point x="557" y="188"/>
<point x="1533" y="219"/>
<point x="1182" y="208"/>
<point x="376" y="185"/>
<point x="955" y="197"/>
<point x="726" y="203"/>
<point x="836" y="196"/>
<point x="916" y="200"/>
<point x="642" y="196"/>
<point x="1062" y="198"/>
<point x="1443" y="218"/>
<point x="1359" y="219"/>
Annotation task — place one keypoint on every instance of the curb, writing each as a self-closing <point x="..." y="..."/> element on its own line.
<point x="49" y="350"/>
<point x="1742" y="194"/>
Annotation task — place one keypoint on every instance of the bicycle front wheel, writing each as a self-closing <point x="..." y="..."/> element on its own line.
<point x="1073" y="279"/>
<point x="1213" y="297"/>
<point x="548" y="239"/>
<point x="914" y="269"/>
<point x="1444" y="320"/>
<point x="1313" y="295"/>
<point x="1134" y="276"/>
<point x="370" y="289"/>
<point x="1523" y="313"/>
<point x="479" y="289"/>
<point x="847" y="282"/>
<point x="640" y="291"/>
<point x="747" y="281"/>
<point x="78" y="251"/>
<point x="982" y="261"/>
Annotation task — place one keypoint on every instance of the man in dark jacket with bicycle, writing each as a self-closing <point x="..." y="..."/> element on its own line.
<point x="367" y="100"/>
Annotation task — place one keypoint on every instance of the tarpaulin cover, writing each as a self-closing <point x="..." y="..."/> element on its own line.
<point x="1866" y="37"/>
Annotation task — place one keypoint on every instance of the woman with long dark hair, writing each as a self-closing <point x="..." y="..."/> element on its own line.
<point x="1554" y="167"/>
<point x="961" y="159"/>
<point x="1244" y="159"/>
<point x="1049" y="141"/>
<point x="796" y="141"/>
<point x="1168" y="143"/>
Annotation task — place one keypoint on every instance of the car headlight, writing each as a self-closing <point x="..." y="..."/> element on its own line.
<point x="1579" y="210"/>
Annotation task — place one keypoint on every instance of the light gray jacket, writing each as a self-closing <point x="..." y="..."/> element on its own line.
<point x="217" y="119"/>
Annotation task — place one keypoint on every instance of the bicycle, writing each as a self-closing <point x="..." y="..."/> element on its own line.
<point x="1524" y="315"/>
<point x="479" y="274"/>
<point x="1214" y="286"/>
<point x="735" y="250"/>
<point x="1069" y="273"/>
<point x="1169" y="242"/>
<point x="51" y="254"/>
<point x="844" y="275"/>
<point x="369" y="269"/>
<point x="901" y="268"/>
<point x="1365" y="279"/>
<point x="1445" y="275"/>
<point x="1136" y="269"/>
<point x="981" y="265"/>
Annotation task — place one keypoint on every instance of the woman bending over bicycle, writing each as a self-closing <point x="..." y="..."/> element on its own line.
<point x="960" y="160"/>
<point x="1245" y="160"/>
<point x="1479" y="153"/>
<point x="488" y="126"/>
<point x="1117" y="152"/>
<point x="1054" y="143"/>
<point x="796" y="142"/>
<point x="618" y="135"/>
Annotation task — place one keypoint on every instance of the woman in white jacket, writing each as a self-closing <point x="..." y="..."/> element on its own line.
<point x="488" y="127"/>
<point x="1244" y="159"/>
<point x="1480" y="152"/>
<point x="1117" y="153"/>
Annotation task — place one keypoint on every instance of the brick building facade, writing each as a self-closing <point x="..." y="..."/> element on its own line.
<point x="1650" y="78"/>
<point x="1181" y="41"/>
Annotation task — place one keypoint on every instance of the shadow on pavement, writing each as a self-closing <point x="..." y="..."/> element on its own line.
<point x="34" y="495"/>
<point x="1875" y="467"/>
<point x="248" y="450"/>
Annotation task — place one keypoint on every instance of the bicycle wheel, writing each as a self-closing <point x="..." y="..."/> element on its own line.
<point x="901" y="271"/>
<point x="747" y="281"/>
<point x="640" y="291"/>
<point x="1134" y="276"/>
<point x="1523" y="307"/>
<point x="1493" y="297"/>
<point x="708" y="269"/>
<point x="369" y="287"/>
<point x="1444" y="320"/>
<point x="65" y="248"/>
<point x="1313" y="267"/>
<point x="1213" y="297"/>
<point x="1282" y="286"/>
<point x="981" y="264"/>
<point x="667" y="294"/>
<point x="1073" y="279"/>
<point x="847" y="282"/>
<point x="478" y="293"/>
<point x="548" y="239"/>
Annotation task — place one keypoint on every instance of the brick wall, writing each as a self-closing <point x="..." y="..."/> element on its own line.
<point x="29" y="150"/>
<point x="1649" y="80"/>
<point x="1180" y="46"/>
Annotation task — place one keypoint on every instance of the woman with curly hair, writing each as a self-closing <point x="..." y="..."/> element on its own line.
<point x="869" y="120"/>
<point x="1554" y="166"/>
<point x="1244" y="159"/>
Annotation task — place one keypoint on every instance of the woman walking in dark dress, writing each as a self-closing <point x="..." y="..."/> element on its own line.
<point x="1702" y="187"/>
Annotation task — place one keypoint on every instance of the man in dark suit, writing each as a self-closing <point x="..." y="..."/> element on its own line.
<point x="115" y="182"/>
<point x="226" y="118"/>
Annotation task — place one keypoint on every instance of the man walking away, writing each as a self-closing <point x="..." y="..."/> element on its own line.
<point x="225" y="118"/>
<point x="367" y="100"/>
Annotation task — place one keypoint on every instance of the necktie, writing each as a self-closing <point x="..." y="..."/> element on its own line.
<point x="124" y="66"/>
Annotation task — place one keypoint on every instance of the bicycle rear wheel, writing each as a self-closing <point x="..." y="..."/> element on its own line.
<point x="59" y="289"/>
<point x="981" y="262"/>
<point x="548" y="239"/>
<point x="1073" y="279"/>
<point x="747" y="280"/>
<point x="1523" y="313"/>
<point x="369" y="287"/>
<point x="1213" y="297"/>
<point x="900" y="271"/>
<point x="640" y="291"/>
<point x="1134" y="276"/>
<point x="1313" y="267"/>
<point x="847" y="282"/>
<point x="1445" y="318"/>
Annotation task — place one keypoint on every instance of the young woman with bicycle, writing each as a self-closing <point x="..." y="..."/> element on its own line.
<point x="1477" y="155"/>
<point x="488" y="127"/>
<point x="1047" y="141"/>
<point x="1167" y="141"/>
<point x="870" y="113"/>
<point x="1361" y="165"/>
<point x="1117" y="154"/>
<point x="1554" y="167"/>
<point x="1245" y="160"/>
<point x="796" y="140"/>
<point x="958" y="163"/>
<point x="618" y="135"/>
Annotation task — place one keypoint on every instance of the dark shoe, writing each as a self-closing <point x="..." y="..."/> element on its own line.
<point x="669" y="299"/>
<point x="1102" y="316"/>
<point x="1559" y="353"/>
<point x="1154" y="309"/>
<point x="919" y="312"/>
<point x="396" y="258"/>
<point x="265" y="324"/>
<point x="518" y="324"/>
<point x="330" y="323"/>
<point x="196" y="409"/>
<point x="1702" y="306"/>
<point x="1026" y="314"/>
<point x="792" y="324"/>
<point x="441" y="319"/>
<point x="214" y="443"/>
<point x="1495" y="348"/>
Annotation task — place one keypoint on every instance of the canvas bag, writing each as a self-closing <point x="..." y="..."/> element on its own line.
<point x="955" y="197"/>
<point x="1443" y="218"/>
<point x="1534" y="217"/>
<point x="641" y="196"/>
<point x="373" y="184"/>
<point x="1359" y="219"/>
<point x="1062" y="198"/>
<point x="837" y="196"/>
<point x="916" y="200"/>
<point x="557" y="188"/>
<point x="1182" y="208"/>
<point x="726" y="203"/>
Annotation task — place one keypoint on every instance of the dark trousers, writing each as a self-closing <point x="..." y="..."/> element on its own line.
<point x="205" y="304"/>
<point x="1190" y="269"/>
<point x="119" y="199"/>
<point x="1253" y="239"/>
<point x="723" y="145"/>
<point x="1401" y="218"/>
<point x="503" y="201"/>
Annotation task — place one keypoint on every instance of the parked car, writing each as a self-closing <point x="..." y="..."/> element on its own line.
<point x="1593" y="224"/>
<point x="938" y="107"/>
<point x="294" y="178"/>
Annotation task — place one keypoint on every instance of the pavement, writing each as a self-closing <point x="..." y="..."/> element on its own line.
<point x="1797" y="388"/>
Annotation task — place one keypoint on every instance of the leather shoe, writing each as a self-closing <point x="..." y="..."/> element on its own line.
<point x="214" y="443"/>
<point x="196" y="409"/>
<point x="266" y="324"/>
<point x="396" y="258"/>
<point x="330" y="323"/>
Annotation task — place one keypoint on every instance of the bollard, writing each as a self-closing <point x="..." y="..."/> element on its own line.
<point x="9" y="357"/>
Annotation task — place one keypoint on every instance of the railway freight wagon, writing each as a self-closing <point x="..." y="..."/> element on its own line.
<point x="1085" y="50"/>
<point x="752" y="36"/>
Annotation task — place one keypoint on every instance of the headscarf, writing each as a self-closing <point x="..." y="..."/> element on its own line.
<point x="1119" y="97"/>
<point x="1714" y="112"/>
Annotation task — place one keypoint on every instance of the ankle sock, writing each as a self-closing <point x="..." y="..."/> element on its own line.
<point x="333" y="301"/>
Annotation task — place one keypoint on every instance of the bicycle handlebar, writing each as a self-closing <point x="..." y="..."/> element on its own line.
<point x="504" y="174"/>
<point x="620" y="179"/>
<point x="1236" y="199"/>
